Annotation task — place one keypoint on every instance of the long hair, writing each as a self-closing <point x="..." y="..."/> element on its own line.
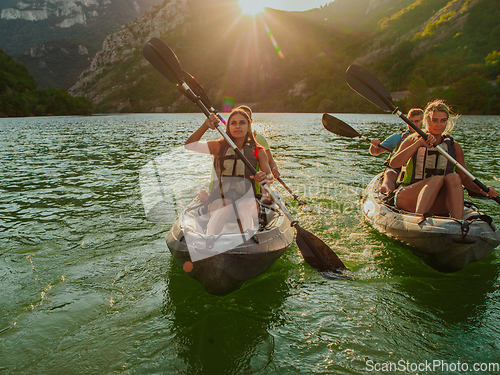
<point x="250" y="139"/>
<point x="439" y="105"/>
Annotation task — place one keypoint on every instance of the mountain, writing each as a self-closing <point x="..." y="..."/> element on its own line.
<point x="21" y="96"/>
<point x="57" y="39"/>
<point x="419" y="48"/>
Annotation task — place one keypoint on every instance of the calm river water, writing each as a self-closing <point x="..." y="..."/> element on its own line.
<point x="88" y="285"/>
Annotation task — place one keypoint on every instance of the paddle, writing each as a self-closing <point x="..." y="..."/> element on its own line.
<point x="339" y="127"/>
<point x="198" y="90"/>
<point x="300" y="203"/>
<point x="369" y="87"/>
<point x="314" y="251"/>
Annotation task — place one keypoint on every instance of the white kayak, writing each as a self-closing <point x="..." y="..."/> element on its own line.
<point x="446" y="244"/>
<point x="222" y="263"/>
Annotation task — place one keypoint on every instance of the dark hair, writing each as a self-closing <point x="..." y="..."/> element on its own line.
<point x="250" y="138"/>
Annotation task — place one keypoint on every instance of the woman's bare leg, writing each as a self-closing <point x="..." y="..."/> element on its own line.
<point x="420" y="196"/>
<point x="454" y="195"/>
<point x="248" y="213"/>
<point x="220" y="212"/>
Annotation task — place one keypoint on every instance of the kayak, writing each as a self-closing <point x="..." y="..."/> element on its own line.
<point x="445" y="244"/>
<point x="223" y="262"/>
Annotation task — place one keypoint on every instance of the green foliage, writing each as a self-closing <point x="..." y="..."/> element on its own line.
<point x="20" y="95"/>
<point x="470" y="95"/>
<point x="418" y="94"/>
<point x="456" y="65"/>
<point x="51" y="102"/>
<point x="492" y="62"/>
<point x="432" y="27"/>
<point x="14" y="76"/>
<point x="414" y="15"/>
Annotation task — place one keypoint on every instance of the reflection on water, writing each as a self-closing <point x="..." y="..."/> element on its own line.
<point x="88" y="283"/>
<point x="225" y="335"/>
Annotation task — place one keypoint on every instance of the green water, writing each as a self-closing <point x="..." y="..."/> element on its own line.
<point x="89" y="286"/>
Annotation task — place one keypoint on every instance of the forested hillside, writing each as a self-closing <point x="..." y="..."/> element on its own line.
<point x="419" y="48"/>
<point x="456" y="55"/>
<point x="20" y="95"/>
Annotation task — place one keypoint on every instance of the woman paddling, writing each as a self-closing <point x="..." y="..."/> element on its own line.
<point x="431" y="183"/>
<point x="263" y="142"/>
<point x="233" y="189"/>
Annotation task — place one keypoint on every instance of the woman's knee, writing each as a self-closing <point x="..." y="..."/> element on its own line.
<point x="436" y="180"/>
<point x="453" y="179"/>
<point x="217" y="204"/>
<point x="250" y="206"/>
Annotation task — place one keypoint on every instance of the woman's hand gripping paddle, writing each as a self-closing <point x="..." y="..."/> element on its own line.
<point x="339" y="127"/>
<point x="369" y="87"/>
<point x="198" y="90"/>
<point x="314" y="251"/>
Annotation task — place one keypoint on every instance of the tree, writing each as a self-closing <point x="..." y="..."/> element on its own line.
<point x="471" y="95"/>
<point x="418" y="93"/>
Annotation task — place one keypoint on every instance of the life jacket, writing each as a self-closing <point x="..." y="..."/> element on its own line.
<point x="234" y="174"/>
<point x="404" y="135"/>
<point x="427" y="162"/>
<point x="387" y="162"/>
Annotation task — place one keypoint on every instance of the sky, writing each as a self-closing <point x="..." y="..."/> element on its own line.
<point x="289" y="5"/>
<point x="292" y="5"/>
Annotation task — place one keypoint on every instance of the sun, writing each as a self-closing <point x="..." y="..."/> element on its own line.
<point x="251" y="7"/>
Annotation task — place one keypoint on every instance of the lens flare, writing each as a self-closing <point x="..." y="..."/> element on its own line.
<point x="273" y="41"/>
<point x="227" y="104"/>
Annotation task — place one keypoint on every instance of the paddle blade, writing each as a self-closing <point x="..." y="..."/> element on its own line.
<point x="339" y="127"/>
<point x="163" y="59"/>
<point x="369" y="87"/>
<point x="317" y="254"/>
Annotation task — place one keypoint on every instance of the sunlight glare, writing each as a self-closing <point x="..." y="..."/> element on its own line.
<point x="251" y="7"/>
<point x="254" y="7"/>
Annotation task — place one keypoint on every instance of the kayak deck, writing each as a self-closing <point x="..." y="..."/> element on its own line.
<point x="222" y="263"/>
<point x="445" y="244"/>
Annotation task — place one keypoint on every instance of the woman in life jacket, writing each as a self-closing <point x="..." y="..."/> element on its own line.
<point x="431" y="183"/>
<point x="233" y="191"/>
<point x="203" y="195"/>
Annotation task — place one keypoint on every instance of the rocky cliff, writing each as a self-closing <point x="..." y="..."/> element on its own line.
<point x="39" y="33"/>
<point x="124" y="47"/>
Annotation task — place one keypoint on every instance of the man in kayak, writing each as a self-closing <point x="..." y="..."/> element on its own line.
<point x="431" y="183"/>
<point x="416" y="115"/>
<point x="232" y="181"/>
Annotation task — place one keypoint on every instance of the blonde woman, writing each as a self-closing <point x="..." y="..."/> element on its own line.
<point x="431" y="183"/>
